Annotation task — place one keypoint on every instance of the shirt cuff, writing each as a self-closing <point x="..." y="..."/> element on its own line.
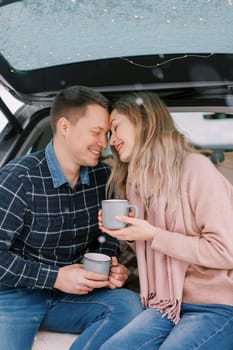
<point x="46" y="277"/>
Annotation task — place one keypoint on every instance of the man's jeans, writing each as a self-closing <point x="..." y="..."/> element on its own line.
<point x="202" y="327"/>
<point x="96" y="316"/>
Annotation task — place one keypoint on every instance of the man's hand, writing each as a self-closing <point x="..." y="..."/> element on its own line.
<point x="118" y="274"/>
<point x="75" y="280"/>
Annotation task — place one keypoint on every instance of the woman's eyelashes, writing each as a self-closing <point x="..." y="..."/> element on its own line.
<point x="114" y="128"/>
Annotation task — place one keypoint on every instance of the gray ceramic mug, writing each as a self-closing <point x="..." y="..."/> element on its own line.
<point x="113" y="207"/>
<point x="97" y="262"/>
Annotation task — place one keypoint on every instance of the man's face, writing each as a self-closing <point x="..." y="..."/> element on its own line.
<point x="85" y="139"/>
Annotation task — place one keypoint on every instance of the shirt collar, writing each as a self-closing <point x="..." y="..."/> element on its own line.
<point x="56" y="172"/>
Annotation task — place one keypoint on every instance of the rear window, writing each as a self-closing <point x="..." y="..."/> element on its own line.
<point x="46" y="33"/>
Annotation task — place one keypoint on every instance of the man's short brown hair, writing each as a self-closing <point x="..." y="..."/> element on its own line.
<point x="75" y="97"/>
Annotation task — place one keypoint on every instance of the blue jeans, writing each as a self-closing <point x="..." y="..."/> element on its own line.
<point x="96" y="316"/>
<point x="202" y="327"/>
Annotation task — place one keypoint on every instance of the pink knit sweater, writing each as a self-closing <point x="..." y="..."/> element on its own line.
<point x="190" y="259"/>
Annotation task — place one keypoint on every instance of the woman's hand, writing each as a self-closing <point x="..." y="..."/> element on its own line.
<point x="136" y="230"/>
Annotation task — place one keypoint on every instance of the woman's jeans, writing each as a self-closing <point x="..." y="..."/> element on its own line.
<point x="96" y="316"/>
<point x="202" y="327"/>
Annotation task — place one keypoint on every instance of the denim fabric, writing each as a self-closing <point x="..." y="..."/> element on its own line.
<point x="96" y="316"/>
<point x="202" y="327"/>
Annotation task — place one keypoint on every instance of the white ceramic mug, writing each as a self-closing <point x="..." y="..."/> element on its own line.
<point x="97" y="262"/>
<point x="114" y="207"/>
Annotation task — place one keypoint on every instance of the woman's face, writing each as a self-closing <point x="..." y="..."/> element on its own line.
<point x="123" y="135"/>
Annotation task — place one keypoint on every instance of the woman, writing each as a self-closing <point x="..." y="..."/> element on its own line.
<point x="183" y="238"/>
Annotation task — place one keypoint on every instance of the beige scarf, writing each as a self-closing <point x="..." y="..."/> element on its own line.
<point x="161" y="276"/>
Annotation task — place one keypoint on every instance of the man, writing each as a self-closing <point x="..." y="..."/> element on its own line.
<point x="49" y="204"/>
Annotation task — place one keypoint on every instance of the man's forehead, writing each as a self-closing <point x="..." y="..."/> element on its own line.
<point x="96" y="119"/>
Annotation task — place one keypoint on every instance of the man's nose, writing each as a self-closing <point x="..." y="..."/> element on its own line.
<point x="103" y="141"/>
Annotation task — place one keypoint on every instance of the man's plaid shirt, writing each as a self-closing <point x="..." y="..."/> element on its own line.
<point x="44" y="223"/>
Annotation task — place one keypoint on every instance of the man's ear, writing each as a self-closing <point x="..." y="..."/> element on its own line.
<point x="62" y="126"/>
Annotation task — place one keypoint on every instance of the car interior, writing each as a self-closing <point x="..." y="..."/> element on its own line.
<point x="38" y="133"/>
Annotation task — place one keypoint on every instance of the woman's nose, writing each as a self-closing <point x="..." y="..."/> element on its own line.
<point x="112" y="140"/>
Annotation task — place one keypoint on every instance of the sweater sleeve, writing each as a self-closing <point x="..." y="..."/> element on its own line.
<point x="207" y="201"/>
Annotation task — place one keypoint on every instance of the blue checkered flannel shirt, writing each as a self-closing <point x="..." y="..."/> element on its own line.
<point x="44" y="223"/>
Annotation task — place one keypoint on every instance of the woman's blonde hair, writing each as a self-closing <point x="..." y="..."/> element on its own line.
<point x="155" y="166"/>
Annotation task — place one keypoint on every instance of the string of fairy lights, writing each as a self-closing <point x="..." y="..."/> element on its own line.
<point x="166" y="61"/>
